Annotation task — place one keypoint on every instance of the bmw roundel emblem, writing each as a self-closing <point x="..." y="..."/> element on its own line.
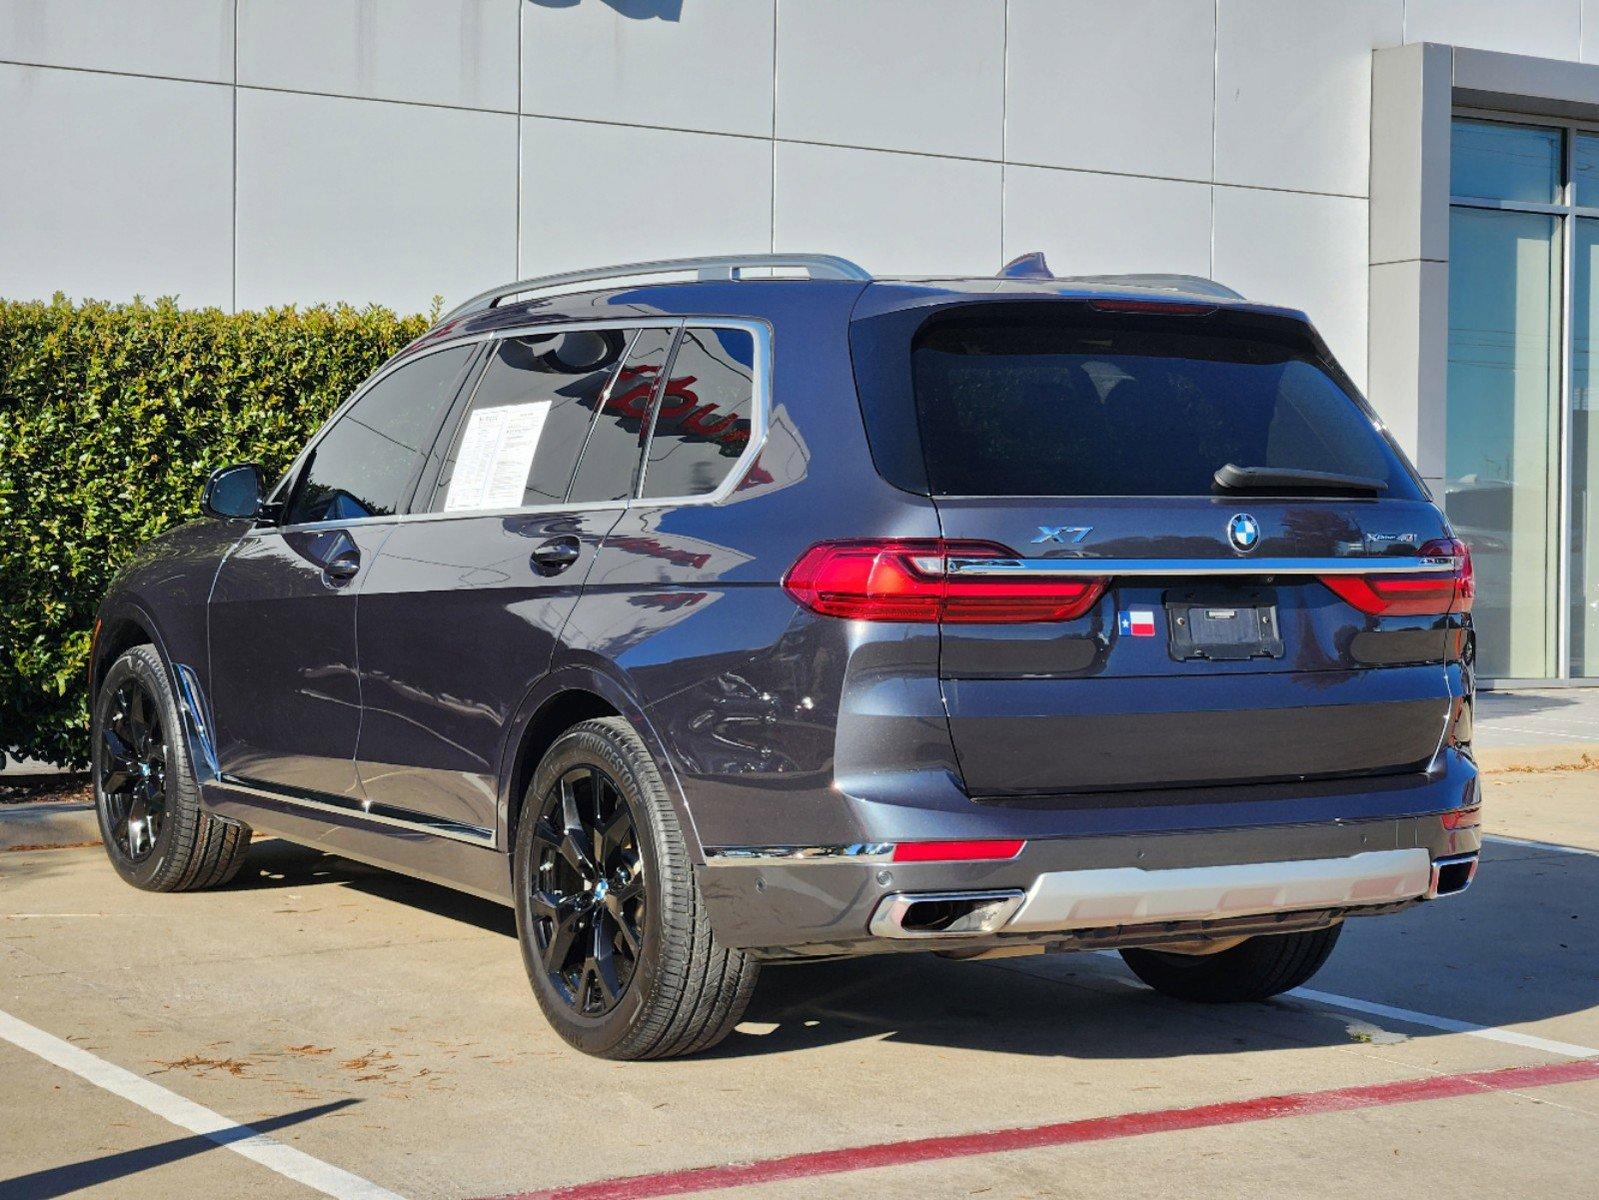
<point x="1243" y="531"/>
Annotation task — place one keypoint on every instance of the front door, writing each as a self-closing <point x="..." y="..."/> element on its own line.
<point x="284" y="684"/>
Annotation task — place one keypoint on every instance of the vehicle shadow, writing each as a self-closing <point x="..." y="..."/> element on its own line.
<point x="1521" y="946"/>
<point x="1494" y="705"/>
<point x="96" y="1172"/>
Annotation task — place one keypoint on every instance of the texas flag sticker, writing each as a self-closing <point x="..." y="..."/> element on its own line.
<point x="1138" y="622"/>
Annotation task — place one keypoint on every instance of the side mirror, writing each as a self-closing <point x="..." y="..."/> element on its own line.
<point x="233" y="493"/>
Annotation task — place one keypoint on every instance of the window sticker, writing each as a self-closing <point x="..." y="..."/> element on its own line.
<point x="496" y="454"/>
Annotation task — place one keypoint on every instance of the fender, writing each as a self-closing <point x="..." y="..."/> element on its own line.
<point x="590" y="673"/>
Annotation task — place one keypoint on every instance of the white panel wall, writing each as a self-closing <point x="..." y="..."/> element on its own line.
<point x="457" y="52"/>
<point x="1090" y="224"/>
<point x="1293" y="91"/>
<point x="1122" y="86"/>
<point x="378" y="157"/>
<point x="595" y="194"/>
<point x="112" y="185"/>
<point x="679" y="64"/>
<point x="183" y="39"/>
<point x="922" y="75"/>
<point x="1545" y="28"/>
<point x="371" y="201"/>
<point x="905" y="213"/>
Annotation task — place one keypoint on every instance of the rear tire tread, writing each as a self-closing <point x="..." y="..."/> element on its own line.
<point x="701" y="988"/>
<point x="1256" y="969"/>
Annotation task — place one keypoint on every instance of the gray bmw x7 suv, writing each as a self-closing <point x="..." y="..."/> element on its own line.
<point x="726" y="611"/>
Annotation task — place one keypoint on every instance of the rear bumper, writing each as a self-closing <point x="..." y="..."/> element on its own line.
<point x="1087" y="891"/>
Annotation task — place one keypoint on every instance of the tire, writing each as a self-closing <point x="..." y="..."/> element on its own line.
<point x="1256" y="969"/>
<point x="682" y="991"/>
<point x="168" y="843"/>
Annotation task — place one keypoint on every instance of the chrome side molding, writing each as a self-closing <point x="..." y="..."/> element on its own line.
<point x="365" y="810"/>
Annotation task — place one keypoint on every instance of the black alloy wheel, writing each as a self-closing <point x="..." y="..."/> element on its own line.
<point x="133" y="770"/>
<point x="587" y="895"/>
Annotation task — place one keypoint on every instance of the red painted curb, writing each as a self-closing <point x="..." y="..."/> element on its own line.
<point x="1067" y="1133"/>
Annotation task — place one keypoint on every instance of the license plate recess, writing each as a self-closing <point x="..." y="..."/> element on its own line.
<point x="1223" y="624"/>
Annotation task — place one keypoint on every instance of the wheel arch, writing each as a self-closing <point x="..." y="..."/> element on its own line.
<point x="562" y="699"/>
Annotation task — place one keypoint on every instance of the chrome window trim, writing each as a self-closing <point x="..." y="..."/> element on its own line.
<point x="760" y="404"/>
<point x="366" y="810"/>
<point x="1094" y="568"/>
<point x="759" y="330"/>
<point x="756" y="856"/>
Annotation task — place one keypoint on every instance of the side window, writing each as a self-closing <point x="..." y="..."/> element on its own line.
<point x="364" y="463"/>
<point x="529" y="417"/>
<point x="610" y="460"/>
<point x="703" y="422"/>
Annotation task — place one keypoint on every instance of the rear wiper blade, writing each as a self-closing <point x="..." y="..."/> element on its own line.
<point x="1233" y="478"/>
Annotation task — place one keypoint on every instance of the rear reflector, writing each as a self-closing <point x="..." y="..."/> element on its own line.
<point x="1412" y="595"/>
<point x="907" y="580"/>
<point x="971" y="851"/>
<point x="1463" y="818"/>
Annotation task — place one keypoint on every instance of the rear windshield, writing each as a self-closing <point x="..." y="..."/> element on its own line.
<point x="1079" y="403"/>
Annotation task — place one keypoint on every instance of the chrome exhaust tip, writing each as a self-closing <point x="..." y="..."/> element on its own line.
<point x="1452" y="875"/>
<point x="944" y="914"/>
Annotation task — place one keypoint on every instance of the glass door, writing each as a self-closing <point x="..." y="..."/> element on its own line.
<point x="1502" y="450"/>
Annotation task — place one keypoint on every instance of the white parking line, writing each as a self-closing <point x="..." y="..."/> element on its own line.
<point x="186" y="1114"/>
<point x="1449" y="1024"/>
<point x="1557" y="847"/>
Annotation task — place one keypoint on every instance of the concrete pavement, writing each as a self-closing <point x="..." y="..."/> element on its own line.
<point x="384" y="1027"/>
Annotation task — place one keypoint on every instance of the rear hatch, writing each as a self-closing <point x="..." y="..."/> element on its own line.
<point x="1251" y="584"/>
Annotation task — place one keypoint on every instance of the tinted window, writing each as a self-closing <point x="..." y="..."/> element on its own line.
<point x="610" y="459"/>
<point x="1127" y="406"/>
<point x="529" y="416"/>
<point x="702" y="422"/>
<point x="364" y="464"/>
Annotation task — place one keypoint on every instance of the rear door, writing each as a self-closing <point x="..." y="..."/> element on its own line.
<point x="1250" y="547"/>
<point x="460" y="615"/>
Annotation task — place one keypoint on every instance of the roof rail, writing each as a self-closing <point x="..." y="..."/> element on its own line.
<point x="716" y="266"/>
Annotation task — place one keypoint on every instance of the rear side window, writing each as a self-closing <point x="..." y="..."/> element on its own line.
<point x="702" y="422"/>
<point x="1078" y="403"/>
<point x="609" y="466"/>
<point x="528" y="419"/>
<point x="364" y="464"/>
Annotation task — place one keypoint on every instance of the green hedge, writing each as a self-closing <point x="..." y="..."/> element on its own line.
<point x="111" y="417"/>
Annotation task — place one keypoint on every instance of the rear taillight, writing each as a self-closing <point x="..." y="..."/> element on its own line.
<point x="1405" y="595"/>
<point x="910" y="580"/>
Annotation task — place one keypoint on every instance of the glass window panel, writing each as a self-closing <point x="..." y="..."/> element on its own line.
<point x="1500" y="458"/>
<point x="702" y="423"/>
<point x="520" y="437"/>
<point x="610" y="460"/>
<point x="1585" y="170"/>
<point x="1584" y="565"/>
<point x="1505" y="162"/>
<point x="363" y="466"/>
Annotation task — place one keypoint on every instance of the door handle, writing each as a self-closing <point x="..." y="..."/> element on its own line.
<point x="343" y="567"/>
<point x="557" y="554"/>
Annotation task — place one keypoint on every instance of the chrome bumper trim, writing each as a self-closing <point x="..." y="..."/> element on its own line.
<point x="1131" y="896"/>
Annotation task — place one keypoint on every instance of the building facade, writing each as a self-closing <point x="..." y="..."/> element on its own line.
<point x="1421" y="176"/>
